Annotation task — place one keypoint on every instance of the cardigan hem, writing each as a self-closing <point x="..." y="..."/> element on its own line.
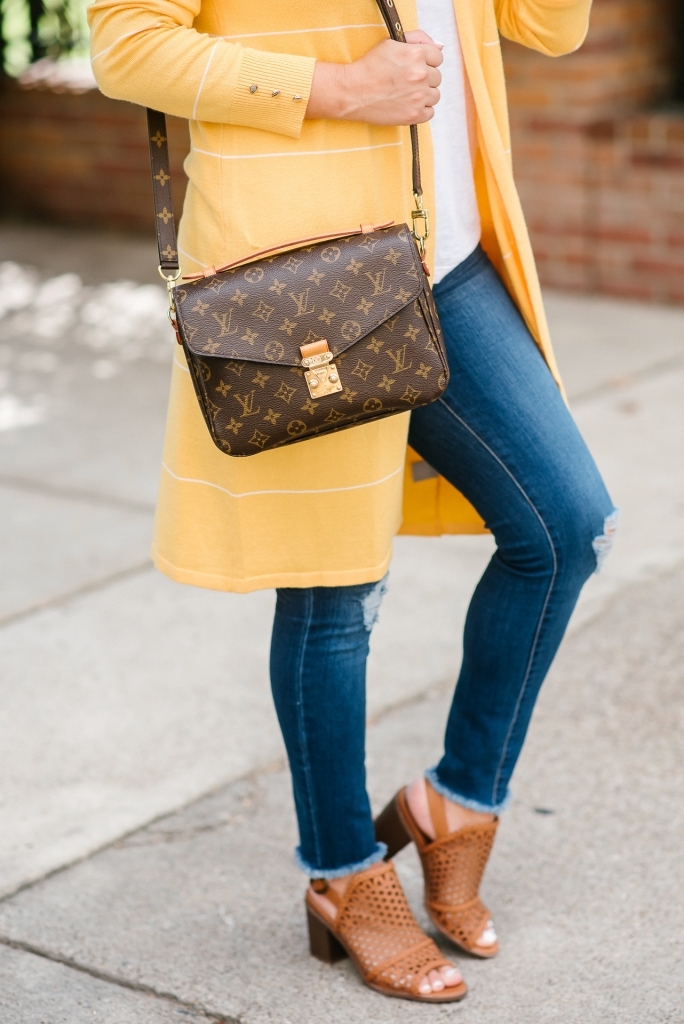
<point x="215" y="581"/>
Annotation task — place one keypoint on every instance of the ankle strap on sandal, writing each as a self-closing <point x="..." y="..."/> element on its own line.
<point x="321" y="887"/>
<point x="437" y="811"/>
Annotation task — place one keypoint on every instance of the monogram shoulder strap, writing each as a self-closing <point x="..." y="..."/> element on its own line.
<point x="161" y="171"/>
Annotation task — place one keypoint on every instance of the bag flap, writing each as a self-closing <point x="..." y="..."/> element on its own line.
<point x="340" y="290"/>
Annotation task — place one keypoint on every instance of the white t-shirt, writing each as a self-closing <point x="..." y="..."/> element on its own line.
<point x="457" y="219"/>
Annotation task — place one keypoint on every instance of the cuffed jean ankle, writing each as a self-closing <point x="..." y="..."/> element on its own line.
<point x="503" y="436"/>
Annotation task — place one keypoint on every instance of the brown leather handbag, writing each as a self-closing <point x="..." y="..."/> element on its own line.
<point x="299" y="341"/>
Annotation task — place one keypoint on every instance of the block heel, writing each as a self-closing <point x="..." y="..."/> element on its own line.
<point x="322" y="943"/>
<point x="390" y="829"/>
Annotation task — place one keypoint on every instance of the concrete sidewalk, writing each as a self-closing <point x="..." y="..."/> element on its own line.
<point x="108" y="724"/>
<point x="585" y="881"/>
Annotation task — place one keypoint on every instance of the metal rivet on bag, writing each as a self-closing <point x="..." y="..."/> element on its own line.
<point x="253" y="88"/>
<point x="313" y="383"/>
<point x="333" y="377"/>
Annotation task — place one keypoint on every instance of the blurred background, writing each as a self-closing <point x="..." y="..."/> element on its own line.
<point x="127" y="700"/>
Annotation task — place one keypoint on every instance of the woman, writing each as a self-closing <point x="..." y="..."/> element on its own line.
<point x="296" y="115"/>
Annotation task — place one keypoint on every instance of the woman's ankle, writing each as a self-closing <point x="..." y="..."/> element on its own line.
<point x="321" y="891"/>
<point x="457" y="815"/>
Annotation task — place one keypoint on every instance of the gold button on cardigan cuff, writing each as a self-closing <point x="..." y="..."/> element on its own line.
<point x="272" y="72"/>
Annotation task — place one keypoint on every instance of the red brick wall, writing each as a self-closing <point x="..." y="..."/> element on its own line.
<point x="624" y="64"/>
<point x="599" y="168"/>
<point x="81" y="159"/>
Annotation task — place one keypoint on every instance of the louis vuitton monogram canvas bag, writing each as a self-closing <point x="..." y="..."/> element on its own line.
<point x="301" y="341"/>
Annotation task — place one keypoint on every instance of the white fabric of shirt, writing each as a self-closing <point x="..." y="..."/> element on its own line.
<point x="457" y="219"/>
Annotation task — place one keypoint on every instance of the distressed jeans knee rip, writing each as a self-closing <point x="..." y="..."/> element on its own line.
<point x="372" y="601"/>
<point x="603" y="544"/>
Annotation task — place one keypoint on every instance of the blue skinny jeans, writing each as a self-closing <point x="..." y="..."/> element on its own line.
<point x="503" y="436"/>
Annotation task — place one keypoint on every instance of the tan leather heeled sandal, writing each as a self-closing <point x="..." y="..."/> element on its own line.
<point x="376" y="929"/>
<point x="453" y="866"/>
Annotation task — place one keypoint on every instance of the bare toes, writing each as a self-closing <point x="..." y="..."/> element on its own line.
<point x="436" y="981"/>
<point x="488" y="937"/>
<point x="451" y="976"/>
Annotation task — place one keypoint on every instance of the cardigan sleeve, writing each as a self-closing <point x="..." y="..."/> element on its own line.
<point x="147" y="52"/>
<point x="553" y="27"/>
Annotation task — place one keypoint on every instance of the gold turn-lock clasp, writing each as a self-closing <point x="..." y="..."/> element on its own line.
<point x="321" y="374"/>
<point x="418" y="215"/>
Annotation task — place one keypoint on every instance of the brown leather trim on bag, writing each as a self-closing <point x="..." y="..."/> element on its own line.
<point x="363" y="229"/>
<point x="314" y="348"/>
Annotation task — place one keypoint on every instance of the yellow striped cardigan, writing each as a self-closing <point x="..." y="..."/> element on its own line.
<point x="322" y="512"/>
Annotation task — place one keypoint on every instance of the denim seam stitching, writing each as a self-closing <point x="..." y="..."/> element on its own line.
<point x="302" y="731"/>
<point x="535" y="641"/>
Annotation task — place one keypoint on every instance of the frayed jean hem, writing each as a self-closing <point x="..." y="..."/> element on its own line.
<point x="378" y="854"/>
<point x="464" y="801"/>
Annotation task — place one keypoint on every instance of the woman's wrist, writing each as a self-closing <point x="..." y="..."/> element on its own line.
<point x="328" y="92"/>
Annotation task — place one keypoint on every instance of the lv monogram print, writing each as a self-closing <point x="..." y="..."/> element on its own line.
<point x="365" y="294"/>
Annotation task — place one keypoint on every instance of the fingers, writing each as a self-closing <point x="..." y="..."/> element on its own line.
<point x="433" y="55"/>
<point x="434" y="78"/>
<point x="432" y="50"/>
<point x="418" y="36"/>
<point x="426" y="114"/>
<point x="430" y="53"/>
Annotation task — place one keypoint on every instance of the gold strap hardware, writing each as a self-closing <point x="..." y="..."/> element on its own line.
<point x="321" y="374"/>
<point x="170" y="282"/>
<point x="420" y="214"/>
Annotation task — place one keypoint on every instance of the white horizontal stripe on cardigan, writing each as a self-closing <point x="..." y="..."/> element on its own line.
<point x="303" y="31"/>
<point x="313" y="490"/>
<point x="309" y="152"/>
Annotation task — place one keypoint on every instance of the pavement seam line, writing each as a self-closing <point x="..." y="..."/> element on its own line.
<point x="113" y="979"/>
<point x="253" y="773"/>
<point x="86" y="588"/>
<point x="75" y="494"/>
<point x="433" y="691"/>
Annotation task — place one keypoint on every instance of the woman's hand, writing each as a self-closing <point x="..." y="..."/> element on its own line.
<point x="392" y="84"/>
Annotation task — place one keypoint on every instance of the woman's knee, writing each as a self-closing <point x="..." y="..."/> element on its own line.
<point x="586" y="530"/>
<point x="571" y="536"/>
<point x="342" y="609"/>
